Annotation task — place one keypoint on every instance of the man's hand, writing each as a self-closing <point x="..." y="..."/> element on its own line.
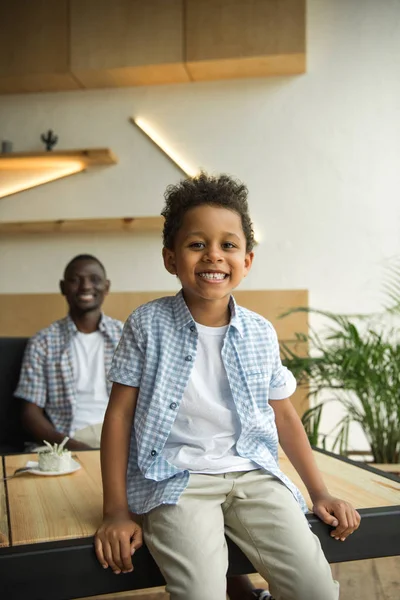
<point x="75" y="445"/>
<point x="337" y="513"/>
<point x="116" y="541"/>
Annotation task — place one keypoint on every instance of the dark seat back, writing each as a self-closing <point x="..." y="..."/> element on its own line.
<point x="12" y="436"/>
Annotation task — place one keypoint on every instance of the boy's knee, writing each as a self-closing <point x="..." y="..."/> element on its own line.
<point x="310" y="589"/>
<point x="198" y="588"/>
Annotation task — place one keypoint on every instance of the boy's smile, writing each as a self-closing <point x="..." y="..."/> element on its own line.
<point x="209" y="255"/>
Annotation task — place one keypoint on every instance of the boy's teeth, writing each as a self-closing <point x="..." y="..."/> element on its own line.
<point x="212" y="275"/>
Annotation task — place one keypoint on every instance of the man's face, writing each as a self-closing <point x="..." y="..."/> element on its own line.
<point x="85" y="286"/>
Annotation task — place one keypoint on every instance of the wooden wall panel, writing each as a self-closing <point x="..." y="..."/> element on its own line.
<point x="25" y="314"/>
<point x="34" y="46"/>
<point x="127" y="42"/>
<point x="255" y="38"/>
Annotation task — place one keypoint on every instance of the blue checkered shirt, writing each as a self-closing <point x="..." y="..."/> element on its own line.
<point x="47" y="377"/>
<point x="156" y="354"/>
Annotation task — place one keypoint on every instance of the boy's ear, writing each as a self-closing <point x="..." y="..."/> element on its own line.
<point x="62" y="289"/>
<point x="248" y="261"/>
<point x="169" y="260"/>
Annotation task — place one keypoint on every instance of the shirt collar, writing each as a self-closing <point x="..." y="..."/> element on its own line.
<point x="183" y="316"/>
<point x="72" y="329"/>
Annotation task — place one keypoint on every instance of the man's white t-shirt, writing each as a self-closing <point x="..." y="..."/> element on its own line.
<point x="204" y="435"/>
<point x="90" y="379"/>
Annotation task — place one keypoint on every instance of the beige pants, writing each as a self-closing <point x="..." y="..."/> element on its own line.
<point x="260" y="515"/>
<point x="89" y="435"/>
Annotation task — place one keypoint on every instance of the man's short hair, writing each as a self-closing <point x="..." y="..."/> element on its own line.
<point x="80" y="257"/>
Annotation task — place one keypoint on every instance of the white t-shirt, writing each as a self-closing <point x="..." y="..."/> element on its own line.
<point x="204" y="435"/>
<point x="90" y="379"/>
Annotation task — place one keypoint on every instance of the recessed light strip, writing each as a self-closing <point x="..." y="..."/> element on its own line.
<point x="163" y="146"/>
<point x="28" y="178"/>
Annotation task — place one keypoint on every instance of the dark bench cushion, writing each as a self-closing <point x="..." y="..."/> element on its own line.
<point x="12" y="436"/>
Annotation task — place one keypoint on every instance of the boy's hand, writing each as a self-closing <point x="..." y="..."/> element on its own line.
<point x="116" y="541"/>
<point x="338" y="514"/>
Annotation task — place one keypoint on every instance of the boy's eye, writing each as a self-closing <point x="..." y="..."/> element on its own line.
<point x="197" y="245"/>
<point x="228" y="245"/>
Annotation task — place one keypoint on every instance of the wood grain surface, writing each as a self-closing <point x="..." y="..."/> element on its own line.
<point x="53" y="508"/>
<point x="358" y="486"/>
<point x="4" y="541"/>
<point x="70" y="506"/>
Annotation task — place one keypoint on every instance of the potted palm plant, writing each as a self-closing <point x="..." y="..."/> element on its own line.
<point x="357" y="360"/>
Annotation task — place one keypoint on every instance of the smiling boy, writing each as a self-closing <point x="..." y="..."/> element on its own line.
<point x="199" y="402"/>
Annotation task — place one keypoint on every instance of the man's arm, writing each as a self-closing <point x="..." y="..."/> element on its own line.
<point x="295" y="444"/>
<point x="33" y="389"/>
<point x="38" y="425"/>
<point x="119" y="535"/>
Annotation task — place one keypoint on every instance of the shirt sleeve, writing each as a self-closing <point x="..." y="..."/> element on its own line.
<point x="128" y="360"/>
<point x="32" y="385"/>
<point x="282" y="383"/>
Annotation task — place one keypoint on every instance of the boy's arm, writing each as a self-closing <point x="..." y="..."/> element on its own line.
<point x="119" y="536"/>
<point x="295" y="444"/>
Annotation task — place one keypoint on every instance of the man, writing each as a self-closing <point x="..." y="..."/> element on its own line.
<point x="63" y="381"/>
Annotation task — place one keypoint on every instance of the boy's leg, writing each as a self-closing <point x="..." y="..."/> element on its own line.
<point x="187" y="540"/>
<point x="265" y="521"/>
<point x="239" y="587"/>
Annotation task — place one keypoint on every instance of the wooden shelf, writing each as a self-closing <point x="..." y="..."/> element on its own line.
<point x="112" y="225"/>
<point x="29" y="160"/>
<point x="20" y="171"/>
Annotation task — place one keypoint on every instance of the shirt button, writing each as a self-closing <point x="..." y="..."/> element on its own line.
<point x="188" y="358"/>
<point x="172" y="405"/>
<point x="193" y="328"/>
<point x="153" y="453"/>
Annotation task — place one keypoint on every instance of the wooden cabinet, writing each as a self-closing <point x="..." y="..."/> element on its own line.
<point x="127" y="42"/>
<point x="48" y="45"/>
<point x="251" y="38"/>
<point x="34" y="46"/>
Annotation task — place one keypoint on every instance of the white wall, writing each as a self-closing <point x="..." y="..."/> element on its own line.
<point x="320" y="154"/>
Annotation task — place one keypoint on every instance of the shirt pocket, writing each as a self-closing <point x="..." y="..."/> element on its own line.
<point x="258" y="384"/>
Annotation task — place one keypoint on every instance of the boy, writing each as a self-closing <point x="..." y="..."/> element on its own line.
<point x="190" y="437"/>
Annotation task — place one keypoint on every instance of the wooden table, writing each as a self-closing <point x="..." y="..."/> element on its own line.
<point x="47" y="525"/>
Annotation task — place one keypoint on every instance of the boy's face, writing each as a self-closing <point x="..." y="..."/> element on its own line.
<point x="210" y="255"/>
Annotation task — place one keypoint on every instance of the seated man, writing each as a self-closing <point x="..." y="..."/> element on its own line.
<point x="63" y="377"/>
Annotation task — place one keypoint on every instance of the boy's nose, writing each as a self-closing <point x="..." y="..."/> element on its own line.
<point x="212" y="255"/>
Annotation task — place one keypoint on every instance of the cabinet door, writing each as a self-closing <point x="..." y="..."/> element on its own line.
<point x="127" y="42"/>
<point x="244" y="38"/>
<point x="34" y="46"/>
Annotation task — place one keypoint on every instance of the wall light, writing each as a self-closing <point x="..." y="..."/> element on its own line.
<point x="162" y="145"/>
<point x="17" y="181"/>
<point x="22" y="171"/>
<point x="257" y="236"/>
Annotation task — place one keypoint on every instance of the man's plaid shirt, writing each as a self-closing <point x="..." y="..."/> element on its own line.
<point x="47" y="377"/>
<point x="156" y="354"/>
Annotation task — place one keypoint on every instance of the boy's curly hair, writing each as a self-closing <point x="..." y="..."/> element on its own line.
<point x="222" y="191"/>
